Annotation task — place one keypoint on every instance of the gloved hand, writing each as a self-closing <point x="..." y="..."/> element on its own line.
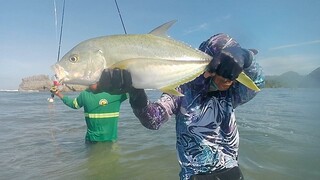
<point x="119" y="81"/>
<point x="230" y="62"/>
<point x="54" y="89"/>
<point x="115" y="81"/>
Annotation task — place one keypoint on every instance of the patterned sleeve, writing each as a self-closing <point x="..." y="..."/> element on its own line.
<point x="155" y="114"/>
<point x="242" y="94"/>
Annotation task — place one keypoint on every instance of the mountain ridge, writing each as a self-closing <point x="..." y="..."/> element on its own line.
<point x="293" y="79"/>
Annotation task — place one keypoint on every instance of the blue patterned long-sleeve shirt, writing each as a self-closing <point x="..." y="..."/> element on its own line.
<point x="206" y="130"/>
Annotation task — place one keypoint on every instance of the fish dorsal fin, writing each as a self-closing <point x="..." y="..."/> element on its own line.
<point x="162" y="30"/>
<point x="245" y="80"/>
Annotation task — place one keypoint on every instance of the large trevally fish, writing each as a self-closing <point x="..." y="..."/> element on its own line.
<point x="154" y="60"/>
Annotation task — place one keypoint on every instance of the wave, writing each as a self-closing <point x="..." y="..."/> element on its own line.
<point x="9" y="90"/>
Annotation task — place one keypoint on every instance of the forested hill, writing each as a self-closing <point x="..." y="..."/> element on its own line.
<point x="294" y="80"/>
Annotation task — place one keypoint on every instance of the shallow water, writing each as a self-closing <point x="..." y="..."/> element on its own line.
<point x="279" y="139"/>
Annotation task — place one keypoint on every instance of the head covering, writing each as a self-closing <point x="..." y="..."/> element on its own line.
<point x="229" y="59"/>
<point x="216" y="43"/>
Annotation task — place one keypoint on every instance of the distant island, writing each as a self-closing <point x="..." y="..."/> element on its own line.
<point x="286" y="80"/>
<point x="43" y="83"/>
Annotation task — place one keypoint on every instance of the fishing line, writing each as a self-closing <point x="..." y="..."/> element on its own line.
<point x="61" y="30"/>
<point x="51" y="106"/>
<point x="124" y="28"/>
<point x="62" y="18"/>
<point x="55" y="18"/>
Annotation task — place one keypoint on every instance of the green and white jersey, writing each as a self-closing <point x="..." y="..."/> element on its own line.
<point x="101" y="112"/>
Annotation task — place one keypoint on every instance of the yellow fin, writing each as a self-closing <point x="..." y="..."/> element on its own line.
<point x="171" y="91"/>
<point x="245" y="80"/>
<point x="121" y="65"/>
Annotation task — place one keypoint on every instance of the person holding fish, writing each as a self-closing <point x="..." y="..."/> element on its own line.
<point x="204" y="109"/>
<point x="101" y="111"/>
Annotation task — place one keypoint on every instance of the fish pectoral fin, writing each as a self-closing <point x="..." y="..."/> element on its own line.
<point x="124" y="64"/>
<point x="171" y="91"/>
<point x="121" y="65"/>
<point x="162" y="30"/>
<point x="245" y="80"/>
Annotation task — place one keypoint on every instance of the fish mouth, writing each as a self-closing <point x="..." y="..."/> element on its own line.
<point x="60" y="74"/>
<point x="63" y="77"/>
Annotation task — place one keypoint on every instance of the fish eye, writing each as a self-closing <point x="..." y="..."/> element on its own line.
<point x="73" y="58"/>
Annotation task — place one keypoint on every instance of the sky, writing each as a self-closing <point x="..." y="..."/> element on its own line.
<point x="286" y="32"/>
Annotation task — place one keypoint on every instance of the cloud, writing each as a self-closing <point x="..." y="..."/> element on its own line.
<point x="223" y="18"/>
<point x="200" y="27"/>
<point x="295" y="45"/>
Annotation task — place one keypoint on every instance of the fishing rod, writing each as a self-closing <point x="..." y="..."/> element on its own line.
<point x="60" y="38"/>
<point x="61" y="27"/>
<point x="124" y="28"/>
<point x="55" y="83"/>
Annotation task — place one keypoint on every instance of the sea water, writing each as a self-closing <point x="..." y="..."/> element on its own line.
<point x="279" y="139"/>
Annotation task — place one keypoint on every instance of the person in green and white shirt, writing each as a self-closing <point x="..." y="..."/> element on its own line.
<point x="101" y="111"/>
